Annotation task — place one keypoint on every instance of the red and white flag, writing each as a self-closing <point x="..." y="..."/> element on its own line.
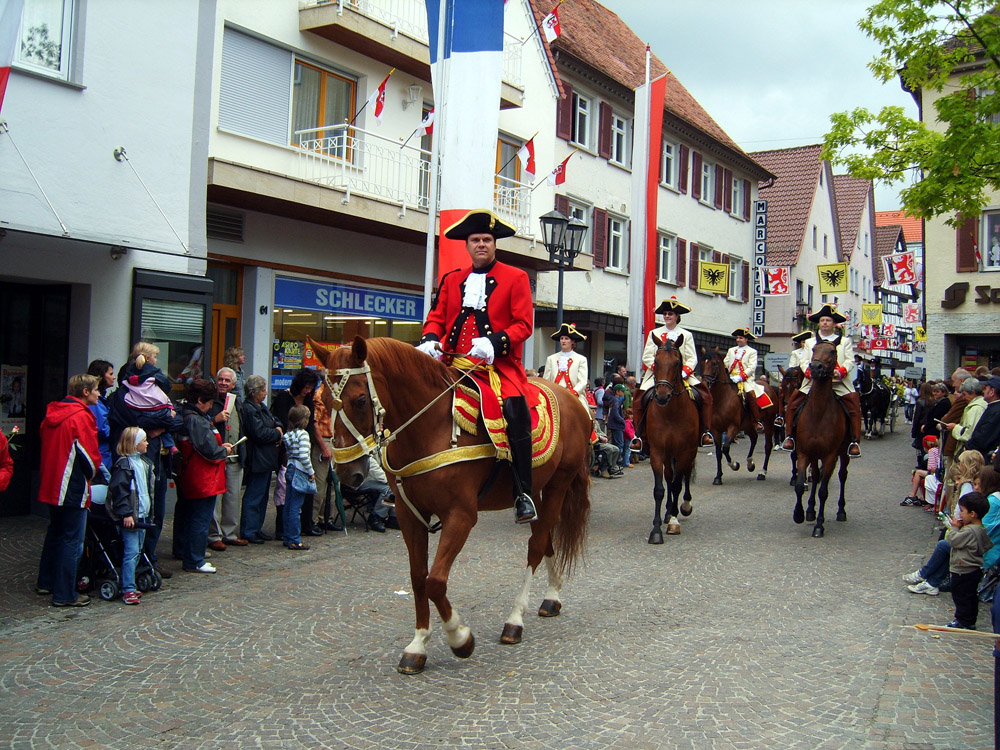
<point x="551" y="27"/>
<point x="377" y="100"/>
<point x="558" y="175"/>
<point x="526" y="155"/>
<point x="911" y="312"/>
<point x="10" y="21"/>
<point x="889" y="330"/>
<point x="774" y="281"/>
<point x="899" y="268"/>
<point x="427" y="124"/>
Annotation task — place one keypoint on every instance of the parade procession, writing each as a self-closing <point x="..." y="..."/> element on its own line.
<point x="499" y="373"/>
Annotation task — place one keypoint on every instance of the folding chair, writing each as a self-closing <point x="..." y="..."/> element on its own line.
<point x="360" y="504"/>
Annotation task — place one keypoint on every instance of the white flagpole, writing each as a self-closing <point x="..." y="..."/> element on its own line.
<point x="640" y="176"/>
<point x="437" y="139"/>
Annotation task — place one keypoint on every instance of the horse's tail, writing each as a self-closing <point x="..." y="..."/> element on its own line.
<point x="570" y="533"/>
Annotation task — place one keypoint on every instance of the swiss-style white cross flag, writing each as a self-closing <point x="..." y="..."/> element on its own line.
<point x="558" y="175"/>
<point x="551" y="27"/>
<point x="377" y="100"/>
<point x="526" y="155"/>
<point x="427" y="124"/>
<point x="10" y="21"/>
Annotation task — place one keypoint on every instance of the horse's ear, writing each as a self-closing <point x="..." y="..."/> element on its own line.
<point x="679" y="341"/>
<point x="359" y="349"/>
<point x="701" y="352"/>
<point x="658" y="340"/>
<point x="781" y="370"/>
<point x="319" y="351"/>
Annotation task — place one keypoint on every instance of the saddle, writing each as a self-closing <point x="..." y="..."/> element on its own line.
<point x="840" y="403"/>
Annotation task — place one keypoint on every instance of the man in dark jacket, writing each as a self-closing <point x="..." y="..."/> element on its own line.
<point x="70" y="458"/>
<point x="225" y="526"/>
<point x="986" y="436"/>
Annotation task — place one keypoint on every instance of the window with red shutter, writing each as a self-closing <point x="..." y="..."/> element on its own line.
<point x="723" y="258"/>
<point x="562" y="205"/>
<point x="681" y="261"/>
<point x="716" y="256"/>
<point x="696" y="175"/>
<point x="693" y="267"/>
<point x="727" y="191"/>
<point x="683" y="179"/>
<point x="600" y="235"/>
<point x="966" y="238"/>
<point x="746" y="200"/>
<point x="746" y="281"/>
<point x="719" y="183"/>
<point x="604" y="136"/>
<point x="564" y="114"/>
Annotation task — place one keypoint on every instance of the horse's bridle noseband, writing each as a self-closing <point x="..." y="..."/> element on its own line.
<point x="365" y="445"/>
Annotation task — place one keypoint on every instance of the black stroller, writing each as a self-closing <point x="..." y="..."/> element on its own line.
<point x="100" y="565"/>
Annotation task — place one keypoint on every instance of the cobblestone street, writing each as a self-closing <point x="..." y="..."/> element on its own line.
<point x="742" y="632"/>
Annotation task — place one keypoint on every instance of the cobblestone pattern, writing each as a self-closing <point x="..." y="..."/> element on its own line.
<point x="742" y="632"/>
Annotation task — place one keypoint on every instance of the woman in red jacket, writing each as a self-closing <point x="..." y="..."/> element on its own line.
<point x="6" y="463"/>
<point x="70" y="459"/>
<point x="203" y="477"/>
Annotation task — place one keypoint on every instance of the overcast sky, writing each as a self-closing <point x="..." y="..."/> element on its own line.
<point x="769" y="72"/>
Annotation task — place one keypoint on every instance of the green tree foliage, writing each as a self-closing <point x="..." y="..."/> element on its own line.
<point x="952" y="48"/>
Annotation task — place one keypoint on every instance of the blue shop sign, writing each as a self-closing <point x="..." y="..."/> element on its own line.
<point x="280" y="382"/>
<point x="302" y="294"/>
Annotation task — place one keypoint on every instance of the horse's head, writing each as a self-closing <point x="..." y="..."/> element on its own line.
<point x="712" y="367"/>
<point x="824" y="361"/>
<point x="355" y="412"/>
<point x="791" y="380"/>
<point x="667" y="368"/>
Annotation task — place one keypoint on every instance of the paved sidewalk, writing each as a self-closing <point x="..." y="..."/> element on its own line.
<point x="742" y="632"/>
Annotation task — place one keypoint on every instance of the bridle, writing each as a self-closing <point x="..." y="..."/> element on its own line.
<point x="666" y="383"/>
<point x="366" y="445"/>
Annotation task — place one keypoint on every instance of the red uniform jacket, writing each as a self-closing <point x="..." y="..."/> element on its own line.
<point x="70" y="453"/>
<point x="507" y="321"/>
<point x="6" y="463"/>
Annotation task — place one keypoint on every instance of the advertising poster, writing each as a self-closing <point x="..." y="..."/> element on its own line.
<point x="309" y="359"/>
<point x="13" y="395"/>
<point x="287" y="355"/>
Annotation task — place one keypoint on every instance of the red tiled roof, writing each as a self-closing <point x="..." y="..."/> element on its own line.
<point x="594" y="35"/>
<point x="886" y="243"/>
<point x="789" y="198"/>
<point x="851" y="195"/>
<point x="913" y="228"/>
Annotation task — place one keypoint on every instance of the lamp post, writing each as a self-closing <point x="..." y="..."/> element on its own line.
<point x="563" y="238"/>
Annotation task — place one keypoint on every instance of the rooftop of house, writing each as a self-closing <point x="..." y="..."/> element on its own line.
<point x="852" y="196"/>
<point x="913" y="228"/>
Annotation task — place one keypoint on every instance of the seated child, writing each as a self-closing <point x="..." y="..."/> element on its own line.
<point x="917" y="494"/>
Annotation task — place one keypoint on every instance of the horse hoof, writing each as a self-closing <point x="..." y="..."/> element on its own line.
<point x="411" y="663"/>
<point x="818" y="532"/>
<point x="761" y="477"/>
<point x="511" y="633"/>
<point x="673" y="529"/>
<point x="735" y="467"/>
<point x="798" y="516"/>
<point x="841" y="516"/>
<point x="550" y="608"/>
<point x="810" y="516"/>
<point x="465" y="650"/>
<point x="791" y="482"/>
<point x="656" y="536"/>
<point x="717" y="480"/>
<point x="685" y="508"/>
<point x="751" y="466"/>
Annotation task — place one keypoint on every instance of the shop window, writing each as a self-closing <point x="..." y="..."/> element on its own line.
<point x="45" y="39"/>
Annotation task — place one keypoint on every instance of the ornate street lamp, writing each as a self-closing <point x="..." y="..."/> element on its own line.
<point x="563" y="238"/>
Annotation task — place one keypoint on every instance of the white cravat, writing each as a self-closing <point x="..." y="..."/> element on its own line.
<point x="564" y="361"/>
<point x="673" y="334"/>
<point x="475" y="291"/>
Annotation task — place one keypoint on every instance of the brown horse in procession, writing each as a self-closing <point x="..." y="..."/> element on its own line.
<point x="391" y="401"/>
<point x="791" y="381"/>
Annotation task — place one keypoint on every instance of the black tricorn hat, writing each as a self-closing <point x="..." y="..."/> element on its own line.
<point x="672" y="305"/>
<point x="744" y="332"/>
<point x="568" y="329"/>
<point x="827" y="311"/>
<point x="480" y="221"/>
<point x="800" y="337"/>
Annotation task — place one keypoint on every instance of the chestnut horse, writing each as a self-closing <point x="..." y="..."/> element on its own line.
<point x="671" y="437"/>
<point x="822" y="437"/>
<point x="730" y="416"/>
<point x="387" y="397"/>
<point x="791" y="381"/>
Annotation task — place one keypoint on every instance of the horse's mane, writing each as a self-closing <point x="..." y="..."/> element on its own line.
<point x="388" y="354"/>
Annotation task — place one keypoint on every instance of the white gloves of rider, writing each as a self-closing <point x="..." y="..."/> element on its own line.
<point x="431" y="348"/>
<point x="482" y="348"/>
<point x="735" y="378"/>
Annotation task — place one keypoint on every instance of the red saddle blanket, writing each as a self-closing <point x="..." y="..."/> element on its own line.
<point x="469" y="406"/>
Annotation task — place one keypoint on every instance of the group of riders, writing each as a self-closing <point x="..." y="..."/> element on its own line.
<point x="483" y="314"/>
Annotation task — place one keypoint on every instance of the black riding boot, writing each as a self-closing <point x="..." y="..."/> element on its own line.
<point x="515" y="410"/>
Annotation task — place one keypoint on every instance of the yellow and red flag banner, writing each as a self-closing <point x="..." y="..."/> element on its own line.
<point x="833" y="278"/>
<point x="713" y="277"/>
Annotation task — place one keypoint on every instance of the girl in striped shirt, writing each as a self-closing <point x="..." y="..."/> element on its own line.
<point x="298" y="446"/>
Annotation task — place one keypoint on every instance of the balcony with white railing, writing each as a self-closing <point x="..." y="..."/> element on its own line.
<point x="406" y="16"/>
<point x="512" y="203"/>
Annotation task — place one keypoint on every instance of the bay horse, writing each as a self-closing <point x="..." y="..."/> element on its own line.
<point x="671" y="437"/>
<point x="388" y="398"/>
<point x="822" y="437"/>
<point x="730" y="416"/>
<point x="875" y="399"/>
<point x="791" y="381"/>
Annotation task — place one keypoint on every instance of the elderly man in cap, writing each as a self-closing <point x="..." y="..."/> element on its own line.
<point x="741" y="363"/>
<point x="986" y="436"/>
<point x="672" y="310"/>
<point x="826" y="318"/>
<point x="566" y="367"/>
<point x="485" y="312"/>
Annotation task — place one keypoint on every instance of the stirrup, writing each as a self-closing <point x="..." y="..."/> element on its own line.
<point x="711" y="439"/>
<point x="524" y="509"/>
<point x="854" y="444"/>
<point x="785" y="445"/>
<point x="779" y="421"/>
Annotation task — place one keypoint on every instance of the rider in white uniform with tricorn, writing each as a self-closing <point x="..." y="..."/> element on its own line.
<point x="672" y="310"/>
<point x="843" y="387"/>
<point x="741" y="363"/>
<point x="568" y="367"/>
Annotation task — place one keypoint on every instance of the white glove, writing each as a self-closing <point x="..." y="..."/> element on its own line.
<point x="431" y="348"/>
<point x="482" y="348"/>
<point x="735" y="378"/>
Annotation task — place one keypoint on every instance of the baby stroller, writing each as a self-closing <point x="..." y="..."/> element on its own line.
<point x="100" y="565"/>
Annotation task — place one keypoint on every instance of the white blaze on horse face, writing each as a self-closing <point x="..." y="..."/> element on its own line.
<point x="455" y="632"/>
<point x="555" y="580"/>
<point x="419" y="643"/>
<point x="516" y="616"/>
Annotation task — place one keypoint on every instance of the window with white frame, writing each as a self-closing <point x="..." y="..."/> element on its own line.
<point x="669" y="164"/>
<point x="581" y="212"/>
<point x="826" y="241"/>
<point x="990" y="243"/>
<point x="45" y="39"/>
<point x="705" y="255"/>
<point x="866" y="244"/>
<point x="737" y="207"/>
<point x="581" y="120"/>
<point x="619" y="140"/>
<point x="707" y="182"/>
<point x="814" y="236"/>
<point x="668" y="258"/>
<point x="321" y="97"/>
<point x="735" y="277"/>
<point x="799" y="293"/>
<point x="617" y="242"/>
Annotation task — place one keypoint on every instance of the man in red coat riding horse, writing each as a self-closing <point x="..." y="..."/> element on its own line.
<point x="485" y="312"/>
